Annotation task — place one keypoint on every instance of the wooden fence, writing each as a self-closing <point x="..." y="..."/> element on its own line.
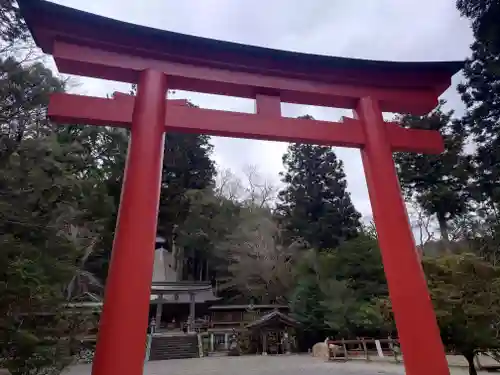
<point x="363" y="348"/>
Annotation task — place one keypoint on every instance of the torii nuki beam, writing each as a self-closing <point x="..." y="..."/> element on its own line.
<point x="181" y="118"/>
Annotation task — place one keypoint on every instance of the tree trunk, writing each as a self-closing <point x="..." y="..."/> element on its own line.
<point x="207" y="277"/>
<point x="445" y="236"/>
<point x="470" y="360"/>
<point x="493" y="207"/>
<point x="180" y="263"/>
<point x="200" y="266"/>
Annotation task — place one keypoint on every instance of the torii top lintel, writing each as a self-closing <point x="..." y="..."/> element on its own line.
<point x="91" y="45"/>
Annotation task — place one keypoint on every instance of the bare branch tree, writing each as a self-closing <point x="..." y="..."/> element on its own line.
<point x="421" y="224"/>
<point x="228" y="185"/>
<point x="259" y="191"/>
<point x="253" y="191"/>
<point x="260" y="266"/>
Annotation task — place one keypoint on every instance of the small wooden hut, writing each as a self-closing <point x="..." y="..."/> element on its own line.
<point x="277" y="332"/>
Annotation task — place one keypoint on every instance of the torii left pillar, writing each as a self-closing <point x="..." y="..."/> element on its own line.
<point x="135" y="233"/>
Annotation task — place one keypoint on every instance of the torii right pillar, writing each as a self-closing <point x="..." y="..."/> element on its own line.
<point x="413" y="311"/>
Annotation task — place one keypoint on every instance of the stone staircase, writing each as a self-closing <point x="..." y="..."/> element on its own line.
<point x="174" y="347"/>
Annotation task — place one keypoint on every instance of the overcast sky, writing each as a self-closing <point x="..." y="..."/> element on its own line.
<point x="410" y="30"/>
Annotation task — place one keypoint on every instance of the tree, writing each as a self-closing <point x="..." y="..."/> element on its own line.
<point x="228" y="185"/>
<point x="337" y="291"/>
<point x="39" y="200"/>
<point x="307" y="307"/>
<point x="186" y="166"/>
<point x="261" y="267"/>
<point x="482" y="98"/>
<point x="437" y="182"/>
<point x="315" y="205"/>
<point x="466" y="295"/>
<point x="482" y="121"/>
<point x="12" y="26"/>
<point x="258" y="191"/>
<point x="352" y="281"/>
<point x="105" y="150"/>
<point x="479" y="235"/>
<point x="83" y="280"/>
<point x="421" y="224"/>
<point x="485" y="241"/>
<point x="52" y="207"/>
<point x="215" y="215"/>
<point x="187" y="175"/>
<point x="359" y="263"/>
<point x="484" y="15"/>
<point x="24" y="96"/>
<point x="307" y="299"/>
<point x="210" y="220"/>
<point x="253" y="190"/>
<point x="465" y="292"/>
<point x="346" y="315"/>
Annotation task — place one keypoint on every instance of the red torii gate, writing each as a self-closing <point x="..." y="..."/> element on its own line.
<point x="90" y="45"/>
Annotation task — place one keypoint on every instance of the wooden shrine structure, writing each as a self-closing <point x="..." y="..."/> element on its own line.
<point x="275" y="330"/>
<point x="89" y="45"/>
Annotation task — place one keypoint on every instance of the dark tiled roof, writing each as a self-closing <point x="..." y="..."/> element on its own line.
<point x="272" y="318"/>
<point x="48" y="21"/>
<point x="249" y="306"/>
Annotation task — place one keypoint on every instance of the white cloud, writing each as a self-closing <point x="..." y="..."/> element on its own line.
<point x="412" y="30"/>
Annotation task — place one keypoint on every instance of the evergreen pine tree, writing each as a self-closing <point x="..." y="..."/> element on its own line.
<point x="438" y="183"/>
<point x="52" y="211"/>
<point x="315" y="205"/>
<point x="187" y="169"/>
<point x="481" y="94"/>
<point x="12" y="26"/>
<point x="186" y="166"/>
<point x="484" y="15"/>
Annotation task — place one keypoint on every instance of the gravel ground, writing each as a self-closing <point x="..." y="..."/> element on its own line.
<point x="264" y="365"/>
